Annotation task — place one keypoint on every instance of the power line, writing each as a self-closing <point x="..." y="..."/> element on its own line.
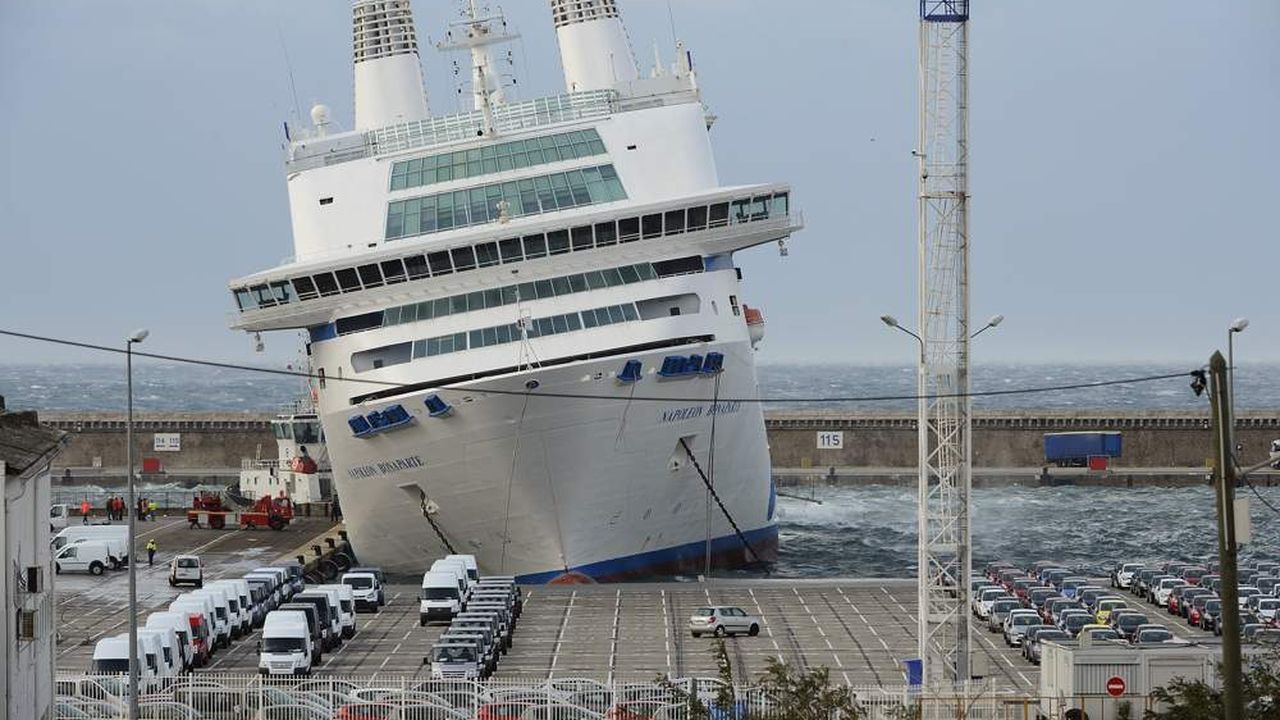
<point x="622" y="398"/>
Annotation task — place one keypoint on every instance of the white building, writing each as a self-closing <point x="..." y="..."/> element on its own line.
<point x="27" y="624"/>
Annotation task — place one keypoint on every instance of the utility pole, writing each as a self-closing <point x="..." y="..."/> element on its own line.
<point x="1225" y="479"/>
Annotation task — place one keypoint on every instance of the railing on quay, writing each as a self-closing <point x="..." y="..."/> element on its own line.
<point x="244" y="696"/>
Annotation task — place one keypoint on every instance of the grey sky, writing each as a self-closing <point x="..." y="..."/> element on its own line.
<point x="1124" y="164"/>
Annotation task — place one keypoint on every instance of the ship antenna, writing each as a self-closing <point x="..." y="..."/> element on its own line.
<point x="477" y="31"/>
<point x="288" y="66"/>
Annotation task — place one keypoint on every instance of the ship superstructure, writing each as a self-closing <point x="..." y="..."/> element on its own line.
<point x="486" y="292"/>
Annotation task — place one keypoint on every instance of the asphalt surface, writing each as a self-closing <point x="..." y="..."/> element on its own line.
<point x="860" y="629"/>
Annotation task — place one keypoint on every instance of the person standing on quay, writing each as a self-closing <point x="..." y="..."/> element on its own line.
<point x="152" y="546"/>
<point x="85" y="507"/>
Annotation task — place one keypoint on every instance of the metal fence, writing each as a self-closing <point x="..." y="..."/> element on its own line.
<point x="400" y="697"/>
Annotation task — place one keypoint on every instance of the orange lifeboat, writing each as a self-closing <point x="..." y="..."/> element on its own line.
<point x="755" y="324"/>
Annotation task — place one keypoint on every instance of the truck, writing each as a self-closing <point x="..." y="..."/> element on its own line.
<point x="1075" y="449"/>
<point x="208" y="510"/>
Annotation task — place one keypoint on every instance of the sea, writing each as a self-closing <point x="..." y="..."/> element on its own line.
<point x="843" y="531"/>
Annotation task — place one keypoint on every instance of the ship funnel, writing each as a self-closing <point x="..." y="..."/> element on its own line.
<point x="388" y="70"/>
<point x="594" y="48"/>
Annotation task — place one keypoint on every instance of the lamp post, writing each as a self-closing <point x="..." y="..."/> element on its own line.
<point x="993" y="322"/>
<point x="137" y="337"/>
<point x="1236" y="327"/>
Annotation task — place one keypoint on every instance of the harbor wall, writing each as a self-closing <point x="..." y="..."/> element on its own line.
<point x="213" y="446"/>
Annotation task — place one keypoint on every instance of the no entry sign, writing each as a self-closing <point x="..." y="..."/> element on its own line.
<point x="1115" y="686"/>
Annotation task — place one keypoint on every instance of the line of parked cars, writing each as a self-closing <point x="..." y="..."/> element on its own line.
<point x="1049" y="602"/>
<point x="1193" y="592"/>
<point x="481" y="612"/>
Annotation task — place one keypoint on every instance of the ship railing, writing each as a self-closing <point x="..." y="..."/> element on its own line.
<point x="539" y="112"/>
<point x="252" y="464"/>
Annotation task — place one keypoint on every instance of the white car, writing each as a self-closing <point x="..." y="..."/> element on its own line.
<point x="186" y="570"/>
<point x="1166" y="586"/>
<point x="1267" y="608"/>
<point x="1016" y="624"/>
<point x="723" y="620"/>
<point x="987" y="598"/>
<point x="1124" y="575"/>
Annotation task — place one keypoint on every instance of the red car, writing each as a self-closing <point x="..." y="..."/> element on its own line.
<point x="635" y="710"/>
<point x="504" y="710"/>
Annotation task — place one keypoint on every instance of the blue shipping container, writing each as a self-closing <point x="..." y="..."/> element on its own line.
<point x="1080" y="446"/>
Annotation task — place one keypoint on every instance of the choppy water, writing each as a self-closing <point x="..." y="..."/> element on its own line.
<point x="864" y="531"/>
<point x="193" y="388"/>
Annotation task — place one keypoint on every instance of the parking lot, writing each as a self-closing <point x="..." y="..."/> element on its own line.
<point x="860" y="629"/>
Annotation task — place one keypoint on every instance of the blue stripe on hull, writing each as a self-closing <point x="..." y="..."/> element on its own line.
<point x="727" y="552"/>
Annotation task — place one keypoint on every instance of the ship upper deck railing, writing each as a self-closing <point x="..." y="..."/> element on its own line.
<point x="309" y="152"/>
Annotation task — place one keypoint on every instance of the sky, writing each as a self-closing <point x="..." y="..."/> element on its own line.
<point x="1123" y="165"/>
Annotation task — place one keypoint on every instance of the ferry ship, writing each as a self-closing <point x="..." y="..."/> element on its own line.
<point x="526" y="326"/>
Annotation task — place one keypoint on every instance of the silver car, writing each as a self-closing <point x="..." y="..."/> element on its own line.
<point x="723" y="620"/>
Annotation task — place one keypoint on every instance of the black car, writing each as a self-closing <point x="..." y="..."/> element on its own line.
<point x="1211" y="616"/>
<point x="1127" y="623"/>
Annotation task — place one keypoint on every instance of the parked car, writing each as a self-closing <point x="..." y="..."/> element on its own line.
<point x="723" y="620"/>
<point x="1127" y="622"/>
<point x="1042" y="637"/>
<point x="1000" y="610"/>
<point x="186" y="570"/>
<point x="1029" y="636"/>
<point x="1016" y="624"/>
<point x="1211" y="616"/>
<point x="1123" y="575"/>
<point x="1152" y="634"/>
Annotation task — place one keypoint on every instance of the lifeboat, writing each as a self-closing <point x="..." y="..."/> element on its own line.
<point x="755" y="324"/>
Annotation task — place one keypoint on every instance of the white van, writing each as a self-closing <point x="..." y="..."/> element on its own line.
<point x="285" y="648"/>
<point x="346" y="607"/>
<point x="57" y="518"/>
<point x="181" y="628"/>
<point x="111" y="656"/>
<point x="439" y="598"/>
<point x="192" y="602"/>
<point x="228" y="596"/>
<point x="89" y="556"/>
<point x="106" y="533"/>
<point x="165" y="643"/>
<point x="239" y="589"/>
<point x="365" y="588"/>
<point x="457" y="568"/>
<point x="283" y="581"/>
<point x="221" y="610"/>
<point x="469" y="562"/>
<point x="184" y="569"/>
<point x="454" y="660"/>
<point x="197" y="606"/>
<point x="273" y="584"/>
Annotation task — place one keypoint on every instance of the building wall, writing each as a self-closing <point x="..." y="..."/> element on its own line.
<point x="28" y="663"/>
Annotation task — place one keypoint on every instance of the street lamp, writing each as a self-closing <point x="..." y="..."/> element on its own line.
<point x="993" y="322"/>
<point x="892" y="322"/>
<point x="136" y="337"/>
<point x="1236" y="327"/>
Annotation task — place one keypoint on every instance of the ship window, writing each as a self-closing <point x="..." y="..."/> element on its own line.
<point x="477" y="338"/>
<point x="629" y="312"/>
<point x="535" y="246"/>
<point x="463" y="258"/>
<point x="646" y="271"/>
<point x="282" y="291"/>
<point x="326" y="283"/>
<point x="441" y="307"/>
<point x="560" y="285"/>
<point x="612" y="277"/>
<point x="679" y="266"/>
<point x="558" y="242"/>
<point x="492" y="298"/>
<point x="581" y="238"/>
<point x="652" y="225"/>
<point x="416" y="266"/>
<point x="589" y="319"/>
<point x="486" y="254"/>
<point x="244" y="299"/>
<point x="305" y="288"/>
<point x="370" y="276"/>
<point x="595" y="280"/>
<point x="527" y="292"/>
<point x="347" y="279"/>
<point x="629" y="229"/>
<point x="719" y="215"/>
<point x="392" y="271"/>
<point x="397" y="315"/>
<point x="697" y="218"/>
<point x="359" y="323"/>
<point x="511" y="251"/>
<point x="760" y="208"/>
<point x="475" y="301"/>
<point x="262" y="296"/>
<point x="741" y="210"/>
<point x="675" y="222"/>
<point x="577" y="283"/>
<point x="439" y="262"/>
<point x="457" y="304"/>
<point x="542" y="289"/>
<point x="606" y="234"/>
<point x="629" y="274"/>
<point x="781" y="204"/>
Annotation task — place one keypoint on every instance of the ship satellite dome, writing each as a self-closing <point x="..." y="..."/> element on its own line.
<point x="320" y="114"/>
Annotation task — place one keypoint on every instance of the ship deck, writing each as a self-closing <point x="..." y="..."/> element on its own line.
<point x="861" y="629"/>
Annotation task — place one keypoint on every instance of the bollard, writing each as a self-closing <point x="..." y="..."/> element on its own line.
<point x="343" y="534"/>
<point x="302" y="560"/>
<point x="316" y="549"/>
<point x="329" y="540"/>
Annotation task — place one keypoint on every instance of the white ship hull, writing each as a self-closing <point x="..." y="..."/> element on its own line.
<point x="563" y="489"/>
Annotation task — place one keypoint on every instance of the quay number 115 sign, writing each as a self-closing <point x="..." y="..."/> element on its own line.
<point x="830" y="440"/>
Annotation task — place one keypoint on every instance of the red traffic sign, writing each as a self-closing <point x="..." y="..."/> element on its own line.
<point x="1115" y="686"/>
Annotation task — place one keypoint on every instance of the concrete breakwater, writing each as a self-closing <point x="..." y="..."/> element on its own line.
<point x="861" y="447"/>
